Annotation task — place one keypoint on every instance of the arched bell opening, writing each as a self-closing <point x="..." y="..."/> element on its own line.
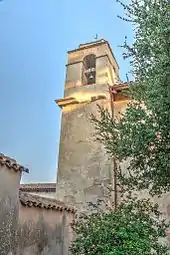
<point x="89" y="69"/>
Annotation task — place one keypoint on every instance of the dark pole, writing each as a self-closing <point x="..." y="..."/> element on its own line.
<point x="112" y="99"/>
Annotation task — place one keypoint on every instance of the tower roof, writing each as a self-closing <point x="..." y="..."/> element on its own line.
<point x="92" y="43"/>
<point x="12" y="164"/>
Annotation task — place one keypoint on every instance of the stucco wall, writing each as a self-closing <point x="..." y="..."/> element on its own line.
<point x="9" y="207"/>
<point x="98" y="50"/>
<point x="44" y="231"/>
<point x="106" y="66"/>
<point x="84" y="169"/>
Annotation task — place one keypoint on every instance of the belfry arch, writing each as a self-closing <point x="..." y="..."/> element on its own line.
<point x="89" y="69"/>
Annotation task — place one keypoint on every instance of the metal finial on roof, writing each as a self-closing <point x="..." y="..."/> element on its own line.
<point x="125" y="42"/>
<point x="96" y="37"/>
<point x="127" y="77"/>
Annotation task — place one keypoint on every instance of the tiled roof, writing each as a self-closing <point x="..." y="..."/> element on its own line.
<point x="38" y="187"/>
<point x="12" y="164"/>
<point x="31" y="200"/>
<point x="120" y="86"/>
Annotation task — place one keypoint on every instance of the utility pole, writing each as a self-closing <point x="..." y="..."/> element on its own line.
<point x="112" y="99"/>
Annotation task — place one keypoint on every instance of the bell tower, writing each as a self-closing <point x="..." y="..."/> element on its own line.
<point x="84" y="170"/>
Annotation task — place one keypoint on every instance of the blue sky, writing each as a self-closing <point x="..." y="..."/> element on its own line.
<point x="35" y="36"/>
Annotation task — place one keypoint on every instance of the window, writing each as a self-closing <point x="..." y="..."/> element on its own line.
<point x="89" y="70"/>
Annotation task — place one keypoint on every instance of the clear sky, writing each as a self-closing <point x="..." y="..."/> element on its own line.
<point x="35" y="36"/>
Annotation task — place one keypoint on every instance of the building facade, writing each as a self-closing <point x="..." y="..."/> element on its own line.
<point x="31" y="223"/>
<point x="36" y="218"/>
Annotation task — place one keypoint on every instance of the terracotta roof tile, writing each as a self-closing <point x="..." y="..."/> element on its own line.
<point x="38" y="187"/>
<point x="12" y="164"/>
<point x="120" y="86"/>
<point x="30" y="200"/>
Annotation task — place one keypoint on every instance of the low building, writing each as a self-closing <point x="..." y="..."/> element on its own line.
<point x="30" y="223"/>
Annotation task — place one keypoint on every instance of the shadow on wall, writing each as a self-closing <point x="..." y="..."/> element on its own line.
<point x="39" y="238"/>
<point x="28" y="238"/>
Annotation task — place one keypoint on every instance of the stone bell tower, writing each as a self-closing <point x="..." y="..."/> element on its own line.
<point x="84" y="170"/>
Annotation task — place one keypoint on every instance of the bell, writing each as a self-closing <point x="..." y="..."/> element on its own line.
<point x="91" y="77"/>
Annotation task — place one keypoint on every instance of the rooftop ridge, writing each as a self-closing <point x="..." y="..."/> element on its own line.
<point x="12" y="164"/>
<point x="31" y="200"/>
<point x="38" y="187"/>
<point x="92" y="42"/>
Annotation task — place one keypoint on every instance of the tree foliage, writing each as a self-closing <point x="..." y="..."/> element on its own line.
<point x="142" y="136"/>
<point x="134" y="228"/>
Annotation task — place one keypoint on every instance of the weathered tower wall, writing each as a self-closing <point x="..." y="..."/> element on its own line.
<point x="84" y="169"/>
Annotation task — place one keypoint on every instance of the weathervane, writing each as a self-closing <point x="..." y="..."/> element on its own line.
<point x="127" y="77"/>
<point x="96" y="37"/>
